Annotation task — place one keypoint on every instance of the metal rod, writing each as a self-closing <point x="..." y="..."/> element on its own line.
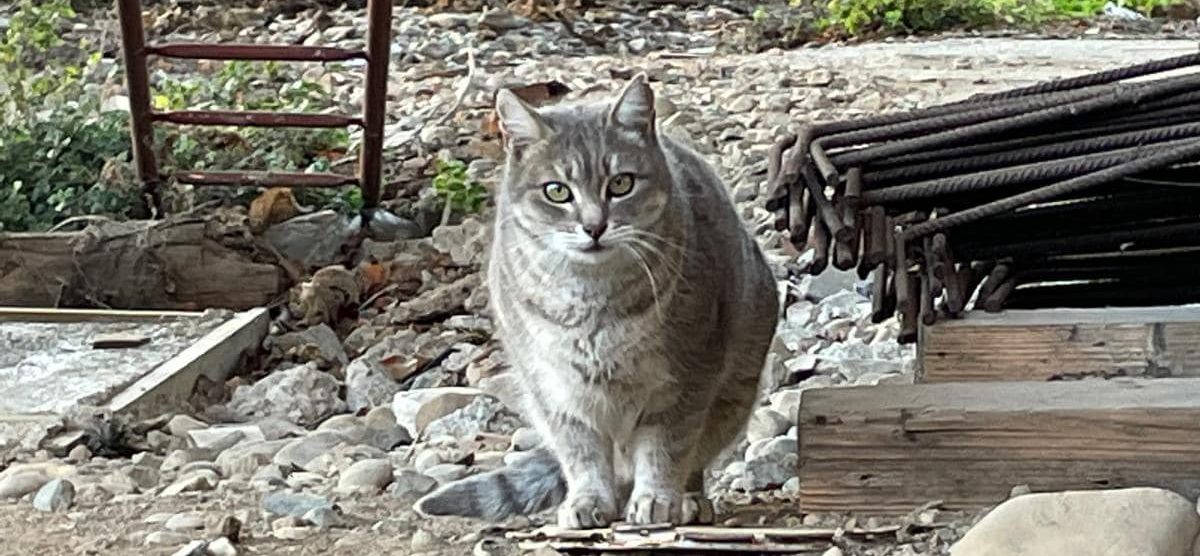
<point x="1183" y="153"/>
<point x="255" y="52"/>
<point x="379" y="30"/>
<point x="257" y="119"/>
<point x="137" y="82"/>
<point x="265" y="179"/>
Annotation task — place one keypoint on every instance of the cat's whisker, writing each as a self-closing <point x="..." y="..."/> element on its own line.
<point x="649" y="274"/>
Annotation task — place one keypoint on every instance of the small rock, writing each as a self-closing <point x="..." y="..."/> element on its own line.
<point x="293" y="504"/>
<point x="246" y="459"/>
<point x="818" y="77"/>
<point x="79" y="454"/>
<point x="483" y="414"/>
<point x="221" y="547"/>
<point x="502" y="20"/>
<point x="194" y="548"/>
<point x="792" y="486"/>
<point x="294" y="533"/>
<point x="423" y="540"/>
<point x="1019" y="490"/>
<point x="370" y="382"/>
<point x="313" y="239"/>
<point x="55" y="496"/>
<point x="525" y="439"/>
<point x="833" y="551"/>
<point x="382" y="430"/>
<point x="447" y="472"/>
<point x="223" y="437"/>
<point x="16" y="485"/>
<point x="179" y="458"/>
<point x="366" y="475"/>
<point x="298" y="453"/>
<point x="449" y="20"/>
<point x="827" y="283"/>
<point x="323" y="518"/>
<point x="766" y="423"/>
<point x="303" y="395"/>
<point x="199" y="482"/>
<point x="318" y="344"/>
<point x="385" y="226"/>
<point x="181" y="425"/>
<point x="1143" y="521"/>
<point x="166" y="538"/>
<point x="772" y="465"/>
<point x="187" y="521"/>
<point x="409" y="485"/>
<point x="415" y="409"/>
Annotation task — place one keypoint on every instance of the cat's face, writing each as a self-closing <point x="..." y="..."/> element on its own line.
<point x="588" y="181"/>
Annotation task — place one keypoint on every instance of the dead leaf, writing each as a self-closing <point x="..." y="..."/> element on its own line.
<point x="535" y="94"/>
<point x="402" y="366"/>
<point x="272" y="207"/>
<point x="373" y="276"/>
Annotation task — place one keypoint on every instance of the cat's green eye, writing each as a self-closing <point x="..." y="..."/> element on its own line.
<point x="620" y="185"/>
<point x="556" y="192"/>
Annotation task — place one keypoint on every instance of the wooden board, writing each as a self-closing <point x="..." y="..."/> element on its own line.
<point x="170" y="384"/>
<point x="35" y="314"/>
<point x="185" y="264"/>
<point x="889" y="449"/>
<point x="1052" y="344"/>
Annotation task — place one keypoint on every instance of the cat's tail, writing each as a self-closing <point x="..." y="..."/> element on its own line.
<point x="530" y="485"/>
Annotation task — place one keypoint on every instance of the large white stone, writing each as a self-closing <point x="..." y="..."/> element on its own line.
<point x="1134" y="521"/>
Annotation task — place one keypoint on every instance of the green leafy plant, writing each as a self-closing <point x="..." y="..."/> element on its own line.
<point x="63" y="155"/>
<point x="55" y="141"/>
<point x="883" y="17"/>
<point x="458" y="192"/>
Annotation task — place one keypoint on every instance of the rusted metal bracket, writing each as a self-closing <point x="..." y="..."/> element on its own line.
<point x="142" y="117"/>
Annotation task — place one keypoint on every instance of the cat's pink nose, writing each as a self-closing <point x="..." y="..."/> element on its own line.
<point x="595" y="230"/>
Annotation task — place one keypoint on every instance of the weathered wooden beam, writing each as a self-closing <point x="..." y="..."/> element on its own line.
<point x="890" y="449"/>
<point x="186" y="264"/>
<point x="1053" y="344"/>
<point x="216" y="354"/>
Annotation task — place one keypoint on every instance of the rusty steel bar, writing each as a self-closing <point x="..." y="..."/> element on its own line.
<point x="137" y="83"/>
<point x="255" y="52"/>
<point x="265" y="179"/>
<point x="1119" y="97"/>
<point x="379" y="37"/>
<point x="1190" y="151"/>
<point x="1097" y="78"/>
<point x="1037" y="172"/>
<point x="256" y="119"/>
<point x="1033" y="154"/>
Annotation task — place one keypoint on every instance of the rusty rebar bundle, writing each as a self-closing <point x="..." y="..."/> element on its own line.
<point x="1079" y="192"/>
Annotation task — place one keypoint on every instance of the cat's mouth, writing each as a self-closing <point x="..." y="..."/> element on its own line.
<point x="593" y="247"/>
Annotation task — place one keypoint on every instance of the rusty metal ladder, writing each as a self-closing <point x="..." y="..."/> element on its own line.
<point x="143" y="117"/>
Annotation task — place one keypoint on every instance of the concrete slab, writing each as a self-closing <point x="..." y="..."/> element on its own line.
<point x="48" y="363"/>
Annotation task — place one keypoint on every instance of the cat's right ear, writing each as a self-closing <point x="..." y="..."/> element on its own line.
<point x="520" y="123"/>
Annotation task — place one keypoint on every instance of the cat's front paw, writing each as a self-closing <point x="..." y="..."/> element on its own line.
<point x="586" y="511"/>
<point x="651" y="506"/>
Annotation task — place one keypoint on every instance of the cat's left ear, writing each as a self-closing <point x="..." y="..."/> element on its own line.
<point x="634" y="109"/>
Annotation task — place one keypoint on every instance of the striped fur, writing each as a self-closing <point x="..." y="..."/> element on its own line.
<point x="532" y="484"/>
<point x="637" y="362"/>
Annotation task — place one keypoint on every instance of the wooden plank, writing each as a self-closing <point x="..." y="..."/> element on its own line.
<point x="214" y="356"/>
<point x="1053" y="344"/>
<point x="181" y="264"/>
<point x="35" y="314"/>
<point x="889" y="449"/>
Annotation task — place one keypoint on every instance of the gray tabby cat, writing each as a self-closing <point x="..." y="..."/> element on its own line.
<point x="634" y="307"/>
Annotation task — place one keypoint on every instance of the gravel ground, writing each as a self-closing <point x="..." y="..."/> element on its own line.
<point x="303" y="476"/>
